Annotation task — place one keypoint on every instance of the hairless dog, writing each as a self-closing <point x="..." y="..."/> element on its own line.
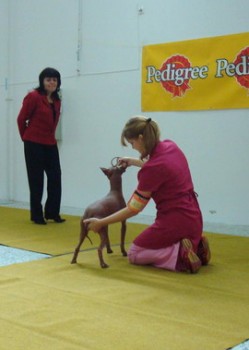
<point x="108" y="205"/>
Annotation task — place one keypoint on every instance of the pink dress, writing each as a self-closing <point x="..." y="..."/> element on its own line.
<point x="167" y="176"/>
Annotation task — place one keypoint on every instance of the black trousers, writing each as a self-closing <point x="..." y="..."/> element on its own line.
<point x="43" y="159"/>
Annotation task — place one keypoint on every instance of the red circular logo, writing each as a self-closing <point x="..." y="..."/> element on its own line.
<point x="175" y="65"/>
<point x="242" y="79"/>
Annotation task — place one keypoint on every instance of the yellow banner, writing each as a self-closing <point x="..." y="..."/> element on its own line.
<point x="201" y="74"/>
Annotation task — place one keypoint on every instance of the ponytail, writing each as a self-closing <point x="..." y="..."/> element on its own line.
<point x="140" y="125"/>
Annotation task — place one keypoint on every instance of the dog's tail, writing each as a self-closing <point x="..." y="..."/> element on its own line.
<point x="89" y="239"/>
<point x="86" y="230"/>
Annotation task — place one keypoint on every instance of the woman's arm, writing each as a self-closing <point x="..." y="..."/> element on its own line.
<point x="127" y="161"/>
<point x="133" y="208"/>
<point x="28" y="107"/>
<point x="95" y="224"/>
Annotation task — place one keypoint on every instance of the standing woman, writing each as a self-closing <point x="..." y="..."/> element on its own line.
<point x="37" y="121"/>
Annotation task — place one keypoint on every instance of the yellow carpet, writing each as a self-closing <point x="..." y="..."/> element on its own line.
<point x="16" y="230"/>
<point x="51" y="304"/>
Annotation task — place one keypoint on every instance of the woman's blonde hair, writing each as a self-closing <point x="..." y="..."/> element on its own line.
<point x="140" y="125"/>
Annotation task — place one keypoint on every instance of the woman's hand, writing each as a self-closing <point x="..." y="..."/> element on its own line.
<point x="127" y="161"/>
<point x="93" y="224"/>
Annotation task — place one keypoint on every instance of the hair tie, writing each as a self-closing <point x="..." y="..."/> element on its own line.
<point x="148" y="120"/>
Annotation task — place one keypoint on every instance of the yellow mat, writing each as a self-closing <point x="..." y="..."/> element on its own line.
<point x="16" y="230"/>
<point x="50" y="304"/>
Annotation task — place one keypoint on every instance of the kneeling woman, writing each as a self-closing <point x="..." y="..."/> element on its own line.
<point x="174" y="241"/>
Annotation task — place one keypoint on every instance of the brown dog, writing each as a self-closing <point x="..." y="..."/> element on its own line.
<point x="108" y="205"/>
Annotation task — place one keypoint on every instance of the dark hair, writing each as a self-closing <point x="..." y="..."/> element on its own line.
<point x="139" y="125"/>
<point x="49" y="73"/>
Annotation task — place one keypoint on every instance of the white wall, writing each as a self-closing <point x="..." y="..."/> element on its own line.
<point x="4" y="139"/>
<point x="98" y="52"/>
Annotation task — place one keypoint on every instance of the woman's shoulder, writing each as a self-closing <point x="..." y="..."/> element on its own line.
<point x="167" y="147"/>
<point x="163" y="151"/>
<point x="162" y="148"/>
<point x="33" y="95"/>
<point x="168" y="142"/>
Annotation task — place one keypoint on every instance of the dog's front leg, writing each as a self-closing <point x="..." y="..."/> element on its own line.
<point x="122" y="240"/>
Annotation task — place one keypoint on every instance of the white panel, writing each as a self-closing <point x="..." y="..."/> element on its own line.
<point x="167" y="21"/>
<point x="110" y="36"/>
<point x="4" y="140"/>
<point x="43" y="33"/>
<point x="3" y="40"/>
<point x="96" y="106"/>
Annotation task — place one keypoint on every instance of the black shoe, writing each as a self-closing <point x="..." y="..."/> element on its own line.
<point x="57" y="219"/>
<point x="40" y="222"/>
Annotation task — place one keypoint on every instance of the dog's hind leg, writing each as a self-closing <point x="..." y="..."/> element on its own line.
<point x="103" y="242"/>
<point x="83" y="234"/>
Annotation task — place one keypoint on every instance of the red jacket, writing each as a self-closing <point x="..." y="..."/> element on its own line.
<point x="36" y="120"/>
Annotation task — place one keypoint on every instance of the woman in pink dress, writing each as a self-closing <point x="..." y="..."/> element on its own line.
<point x="174" y="241"/>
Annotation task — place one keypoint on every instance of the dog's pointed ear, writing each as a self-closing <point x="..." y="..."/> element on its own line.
<point x="106" y="171"/>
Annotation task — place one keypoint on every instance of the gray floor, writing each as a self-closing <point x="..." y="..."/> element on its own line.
<point x="10" y="255"/>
